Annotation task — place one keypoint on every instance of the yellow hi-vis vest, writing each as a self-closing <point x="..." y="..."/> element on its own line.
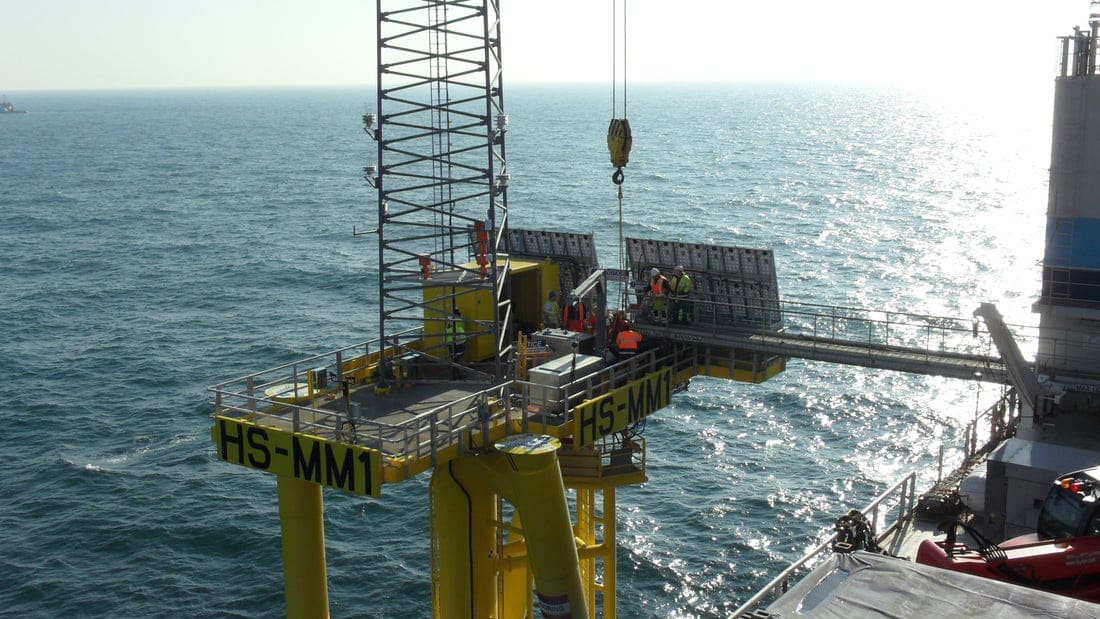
<point x="455" y="330"/>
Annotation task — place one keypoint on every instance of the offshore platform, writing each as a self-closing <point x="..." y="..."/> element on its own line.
<point x="527" y="429"/>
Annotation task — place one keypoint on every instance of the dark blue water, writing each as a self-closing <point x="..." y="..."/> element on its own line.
<point x="154" y="243"/>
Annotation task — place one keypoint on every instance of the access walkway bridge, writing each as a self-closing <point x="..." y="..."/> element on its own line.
<point x="962" y="348"/>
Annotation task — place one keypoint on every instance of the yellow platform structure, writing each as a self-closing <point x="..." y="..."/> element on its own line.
<point x="524" y="476"/>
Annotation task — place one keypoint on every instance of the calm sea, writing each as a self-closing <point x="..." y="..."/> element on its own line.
<point x="156" y="242"/>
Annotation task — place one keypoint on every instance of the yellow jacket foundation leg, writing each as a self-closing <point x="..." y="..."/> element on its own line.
<point x="464" y="546"/>
<point x="524" y="470"/>
<point x="301" y="517"/>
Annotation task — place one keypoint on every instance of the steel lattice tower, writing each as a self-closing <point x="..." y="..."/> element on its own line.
<point x="441" y="176"/>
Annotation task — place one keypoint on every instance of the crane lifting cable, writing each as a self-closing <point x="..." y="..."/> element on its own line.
<point x="619" y="139"/>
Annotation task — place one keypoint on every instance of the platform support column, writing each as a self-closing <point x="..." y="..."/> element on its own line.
<point x="610" y="544"/>
<point x="301" y="518"/>
<point x="598" y="533"/>
<point x="524" y="471"/>
<point x="585" y="530"/>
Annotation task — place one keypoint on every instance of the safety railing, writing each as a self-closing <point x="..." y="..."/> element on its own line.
<point x="880" y="328"/>
<point x="979" y="437"/>
<point x="423" y="435"/>
<point x="1060" y="352"/>
<point x="1078" y="52"/>
<point x="295" y="396"/>
<point x="899" y="500"/>
<point x="552" y="405"/>
<point x="991" y="426"/>
<point x="306" y="377"/>
<point x="297" y="390"/>
<point x="887" y="328"/>
<point x="428" y="433"/>
<point x="986" y="431"/>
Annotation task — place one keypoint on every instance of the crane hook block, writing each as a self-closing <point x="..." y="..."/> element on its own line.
<point x="619" y="141"/>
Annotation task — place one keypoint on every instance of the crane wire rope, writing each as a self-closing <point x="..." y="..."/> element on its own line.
<point x="619" y="139"/>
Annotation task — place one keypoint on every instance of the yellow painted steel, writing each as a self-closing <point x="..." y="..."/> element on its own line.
<point x="464" y="546"/>
<point x="481" y="566"/>
<point x="585" y="532"/>
<point x="350" y="468"/>
<point x="530" y="281"/>
<point x="610" y="542"/>
<point x="745" y="372"/>
<point x="619" y="141"/>
<point x="301" y="518"/>
<point x="597" y="555"/>
<point x="615" y="410"/>
<point x="516" y="584"/>
<point x="524" y="470"/>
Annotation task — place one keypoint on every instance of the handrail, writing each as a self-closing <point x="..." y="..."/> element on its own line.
<point x="246" y="395"/>
<point x="428" y="431"/>
<point x="1050" y="354"/>
<point x="906" y="489"/>
<point x="364" y="345"/>
<point x="1079" y="52"/>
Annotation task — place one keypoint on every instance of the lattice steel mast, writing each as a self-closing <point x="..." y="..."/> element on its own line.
<point x="441" y="175"/>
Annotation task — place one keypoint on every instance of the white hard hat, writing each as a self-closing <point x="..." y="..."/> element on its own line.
<point x="654" y="272"/>
<point x="680" y="268"/>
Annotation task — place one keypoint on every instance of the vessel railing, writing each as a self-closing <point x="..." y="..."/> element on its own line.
<point x="1078" y="52"/>
<point x="899" y="499"/>
<point x="1060" y="354"/>
<point x="979" y="437"/>
<point x="994" y="424"/>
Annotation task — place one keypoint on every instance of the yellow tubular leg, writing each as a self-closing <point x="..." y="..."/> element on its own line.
<point x="301" y="517"/>
<point x="525" y="472"/>
<point x="609" y="562"/>
<point x="464" y="546"/>
<point x="450" y="525"/>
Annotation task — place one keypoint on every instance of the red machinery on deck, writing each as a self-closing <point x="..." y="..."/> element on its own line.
<point x="1062" y="556"/>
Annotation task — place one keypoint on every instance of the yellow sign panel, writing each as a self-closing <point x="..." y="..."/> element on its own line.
<point x="345" y="467"/>
<point x="616" y="410"/>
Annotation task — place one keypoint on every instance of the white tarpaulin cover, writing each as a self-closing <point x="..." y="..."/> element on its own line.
<point x="862" y="584"/>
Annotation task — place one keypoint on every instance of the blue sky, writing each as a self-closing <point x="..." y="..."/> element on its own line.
<point x="71" y="44"/>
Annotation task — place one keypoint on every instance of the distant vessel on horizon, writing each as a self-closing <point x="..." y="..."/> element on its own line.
<point x="6" y="107"/>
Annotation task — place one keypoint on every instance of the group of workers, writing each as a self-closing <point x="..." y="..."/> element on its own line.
<point x="573" y="317"/>
<point x="669" y="300"/>
<point x="622" y="339"/>
<point x="661" y="291"/>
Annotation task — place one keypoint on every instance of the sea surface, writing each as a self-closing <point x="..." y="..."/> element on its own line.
<point x="153" y="243"/>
